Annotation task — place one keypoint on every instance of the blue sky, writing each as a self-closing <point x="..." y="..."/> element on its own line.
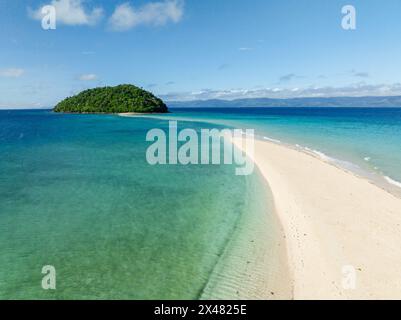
<point x="192" y="49"/>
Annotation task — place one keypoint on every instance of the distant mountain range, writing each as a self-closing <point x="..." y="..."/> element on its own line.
<point x="361" y="102"/>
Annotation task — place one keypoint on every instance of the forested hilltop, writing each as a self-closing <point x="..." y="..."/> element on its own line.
<point x="120" y="99"/>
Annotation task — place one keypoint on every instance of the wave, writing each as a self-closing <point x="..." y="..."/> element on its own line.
<point x="393" y="182"/>
<point x="350" y="166"/>
<point x="321" y="155"/>
<point x="272" y="140"/>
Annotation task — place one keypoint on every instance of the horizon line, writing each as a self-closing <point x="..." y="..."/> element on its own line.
<point x="4" y="108"/>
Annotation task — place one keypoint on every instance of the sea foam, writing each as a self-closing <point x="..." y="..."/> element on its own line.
<point x="393" y="182"/>
<point x="272" y="140"/>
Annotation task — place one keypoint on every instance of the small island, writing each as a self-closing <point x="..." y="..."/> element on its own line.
<point x="124" y="98"/>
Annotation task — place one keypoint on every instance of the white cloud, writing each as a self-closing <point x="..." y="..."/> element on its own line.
<point x="12" y="72"/>
<point x="21" y="105"/>
<point x="71" y="12"/>
<point x="245" y="49"/>
<point x="88" y="77"/>
<point x="353" y="90"/>
<point x="126" y="16"/>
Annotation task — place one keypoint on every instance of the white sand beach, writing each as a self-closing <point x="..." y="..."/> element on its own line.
<point x="333" y="219"/>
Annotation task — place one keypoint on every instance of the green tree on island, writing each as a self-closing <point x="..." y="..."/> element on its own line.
<point x="120" y="99"/>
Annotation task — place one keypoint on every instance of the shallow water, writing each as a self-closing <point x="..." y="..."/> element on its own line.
<point x="77" y="193"/>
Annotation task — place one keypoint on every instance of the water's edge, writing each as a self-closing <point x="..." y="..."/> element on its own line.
<point x="254" y="264"/>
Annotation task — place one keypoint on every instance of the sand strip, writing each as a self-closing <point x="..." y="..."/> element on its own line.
<point x="338" y="227"/>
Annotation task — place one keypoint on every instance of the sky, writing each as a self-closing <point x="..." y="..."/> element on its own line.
<point x="199" y="49"/>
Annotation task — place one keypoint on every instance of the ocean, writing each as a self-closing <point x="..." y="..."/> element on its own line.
<point x="77" y="193"/>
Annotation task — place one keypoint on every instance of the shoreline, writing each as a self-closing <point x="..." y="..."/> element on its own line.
<point x="254" y="264"/>
<point x="379" y="179"/>
<point x="135" y="114"/>
<point x="332" y="220"/>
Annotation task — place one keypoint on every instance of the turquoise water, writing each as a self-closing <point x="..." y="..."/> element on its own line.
<point x="77" y="193"/>
<point x="366" y="141"/>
